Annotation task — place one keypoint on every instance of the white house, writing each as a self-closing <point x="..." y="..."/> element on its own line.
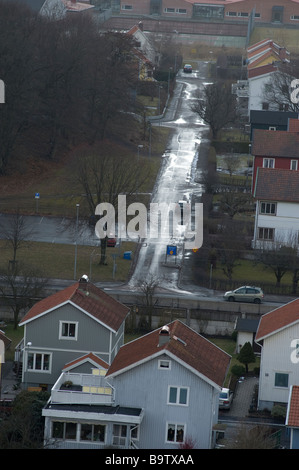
<point x="277" y="208"/>
<point x="278" y="335"/>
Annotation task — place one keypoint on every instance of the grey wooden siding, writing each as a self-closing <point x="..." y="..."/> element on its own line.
<point x="43" y="334"/>
<point x="147" y="386"/>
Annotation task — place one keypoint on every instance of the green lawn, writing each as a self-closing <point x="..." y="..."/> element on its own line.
<point x="57" y="261"/>
<point x="252" y="272"/>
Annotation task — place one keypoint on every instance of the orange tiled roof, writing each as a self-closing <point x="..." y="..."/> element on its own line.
<point x="293" y="125"/>
<point x="278" y="319"/>
<point x="91" y="356"/>
<point x="185" y="344"/>
<point x="93" y="301"/>
<point x="275" y="143"/>
<point x="277" y="184"/>
<point x="292" y="418"/>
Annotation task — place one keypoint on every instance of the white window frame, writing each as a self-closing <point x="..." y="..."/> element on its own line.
<point x="282" y="373"/>
<point x="272" y="128"/>
<point x="295" y="162"/>
<point x="169" y="10"/>
<point x="41" y="370"/>
<point x="178" y="393"/>
<point x="268" y="205"/>
<point x="176" y="428"/>
<point x="166" y="366"/>
<point x="263" y="237"/>
<point x="93" y="433"/>
<point x="126" y="7"/>
<point x="181" y="11"/>
<point x="294" y="17"/>
<point x="266" y="162"/>
<point x="68" y="338"/>
<point x="119" y="438"/>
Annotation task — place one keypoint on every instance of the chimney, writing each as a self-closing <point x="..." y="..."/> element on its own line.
<point x="164" y="335"/>
<point x="140" y="25"/>
<point x="83" y="281"/>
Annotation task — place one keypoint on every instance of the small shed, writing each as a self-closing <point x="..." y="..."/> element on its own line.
<point x="246" y="329"/>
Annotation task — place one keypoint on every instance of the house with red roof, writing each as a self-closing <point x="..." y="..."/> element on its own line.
<point x="160" y="392"/>
<point x="278" y="336"/>
<point x="78" y="320"/>
<point x="276" y="192"/>
<point x="275" y="148"/>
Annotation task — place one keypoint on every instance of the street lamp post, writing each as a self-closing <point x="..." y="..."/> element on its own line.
<point x="76" y="243"/>
<point x="139" y="147"/>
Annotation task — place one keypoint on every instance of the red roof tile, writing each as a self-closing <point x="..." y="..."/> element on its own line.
<point x="275" y="143"/>
<point x="91" y="356"/>
<point x="292" y="418"/>
<point x="278" y="319"/>
<point x="293" y="125"/>
<point x="185" y="344"/>
<point x="277" y="184"/>
<point x="92" y="300"/>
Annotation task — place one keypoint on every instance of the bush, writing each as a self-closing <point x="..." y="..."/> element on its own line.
<point x="279" y="411"/>
<point x="238" y="371"/>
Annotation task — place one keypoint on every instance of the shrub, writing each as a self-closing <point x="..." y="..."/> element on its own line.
<point x="278" y="411"/>
<point x="238" y="371"/>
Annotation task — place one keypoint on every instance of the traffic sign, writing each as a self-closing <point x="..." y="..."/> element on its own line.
<point x="171" y="250"/>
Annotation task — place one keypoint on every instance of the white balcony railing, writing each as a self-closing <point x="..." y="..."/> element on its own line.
<point x="88" y="389"/>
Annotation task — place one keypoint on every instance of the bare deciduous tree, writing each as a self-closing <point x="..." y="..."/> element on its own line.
<point x="17" y="233"/>
<point x="103" y="178"/>
<point x="21" y="288"/>
<point x="217" y="106"/>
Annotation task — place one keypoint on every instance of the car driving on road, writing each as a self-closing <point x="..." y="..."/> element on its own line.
<point x="187" y="68"/>
<point x="245" y="294"/>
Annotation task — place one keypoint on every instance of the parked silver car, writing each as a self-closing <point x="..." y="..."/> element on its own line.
<point x="245" y="294"/>
<point x="225" y="399"/>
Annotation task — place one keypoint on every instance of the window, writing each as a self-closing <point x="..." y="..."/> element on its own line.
<point x="175" y="432"/>
<point x="281" y="379"/>
<point x="294" y="17"/>
<point x="88" y="432"/>
<point x="268" y="208"/>
<point x="178" y="395"/>
<point x="181" y="11"/>
<point x="38" y="362"/>
<point x="272" y="128"/>
<point x="64" y="430"/>
<point x="119" y="434"/>
<point x="266" y="233"/>
<point x="92" y="432"/>
<point x="163" y="364"/>
<point x="134" y="430"/>
<point x="265" y="106"/>
<point x="169" y="10"/>
<point x="268" y="163"/>
<point x="294" y="165"/>
<point x="231" y="13"/>
<point x="68" y="330"/>
<point x="127" y="7"/>
<point x="243" y="13"/>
